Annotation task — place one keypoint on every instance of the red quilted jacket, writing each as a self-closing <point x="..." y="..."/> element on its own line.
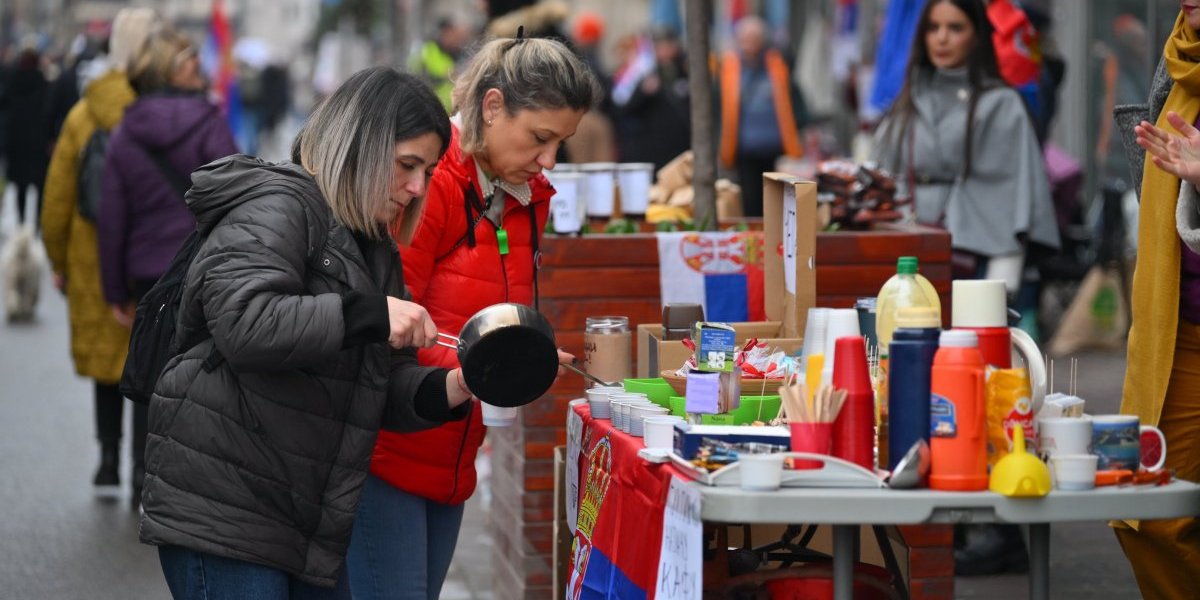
<point x="453" y="280"/>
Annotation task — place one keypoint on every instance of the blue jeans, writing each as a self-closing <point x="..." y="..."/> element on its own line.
<point x="193" y="575"/>
<point x="402" y="544"/>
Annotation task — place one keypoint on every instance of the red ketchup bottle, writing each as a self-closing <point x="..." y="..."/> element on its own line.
<point x="957" y="414"/>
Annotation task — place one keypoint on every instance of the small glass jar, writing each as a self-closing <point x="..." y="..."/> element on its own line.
<point x="608" y="348"/>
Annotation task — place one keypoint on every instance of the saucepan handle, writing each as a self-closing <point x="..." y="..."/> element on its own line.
<point x="593" y="378"/>
<point x="453" y="346"/>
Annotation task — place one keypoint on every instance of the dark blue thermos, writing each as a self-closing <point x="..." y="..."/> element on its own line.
<point x="910" y="364"/>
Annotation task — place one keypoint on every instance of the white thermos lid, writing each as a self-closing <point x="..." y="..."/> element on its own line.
<point x="979" y="303"/>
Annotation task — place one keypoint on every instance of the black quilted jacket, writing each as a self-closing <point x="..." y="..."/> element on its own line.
<point x="258" y="451"/>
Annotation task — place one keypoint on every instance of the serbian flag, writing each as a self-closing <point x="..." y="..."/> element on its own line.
<point x="721" y="271"/>
<point x="217" y="61"/>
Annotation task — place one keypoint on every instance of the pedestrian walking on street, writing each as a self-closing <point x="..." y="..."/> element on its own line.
<point x="762" y="112"/>
<point x="941" y="138"/>
<point x="298" y="344"/>
<point x="516" y="100"/>
<point x="98" y="341"/>
<point x="27" y="142"/>
<point x="1162" y="380"/>
<point x="169" y="131"/>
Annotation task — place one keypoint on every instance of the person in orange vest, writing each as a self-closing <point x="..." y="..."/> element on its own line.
<point x="762" y="112"/>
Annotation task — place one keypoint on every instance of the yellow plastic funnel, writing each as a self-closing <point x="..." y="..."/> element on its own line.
<point x="1020" y="474"/>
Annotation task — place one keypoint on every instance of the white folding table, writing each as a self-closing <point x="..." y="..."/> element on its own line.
<point x="846" y="509"/>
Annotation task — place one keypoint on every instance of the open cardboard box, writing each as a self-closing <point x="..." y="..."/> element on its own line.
<point x="790" y="278"/>
<point x="656" y="354"/>
<point x="789" y="250"/>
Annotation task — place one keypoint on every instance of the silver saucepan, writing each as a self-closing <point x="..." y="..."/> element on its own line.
<point x="508" y="354"/>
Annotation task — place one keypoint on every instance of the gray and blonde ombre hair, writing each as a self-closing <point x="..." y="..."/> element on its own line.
<point x="530" y="73"/>
<point x="348" y="145"/>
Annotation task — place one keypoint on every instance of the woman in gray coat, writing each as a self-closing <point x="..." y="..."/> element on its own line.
<point x="260" y="434"/>
<point x="962" y="143"/>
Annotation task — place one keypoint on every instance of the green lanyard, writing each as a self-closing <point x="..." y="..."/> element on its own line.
<point x="502" y="240"/>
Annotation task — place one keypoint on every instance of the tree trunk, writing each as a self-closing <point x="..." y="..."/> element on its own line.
<point x="699" y="24"/>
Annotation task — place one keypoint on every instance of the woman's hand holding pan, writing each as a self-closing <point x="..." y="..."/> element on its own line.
<point x="409" y="325"/>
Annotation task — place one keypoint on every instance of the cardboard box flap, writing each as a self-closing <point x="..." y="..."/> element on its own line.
<point x="790" y="249"/>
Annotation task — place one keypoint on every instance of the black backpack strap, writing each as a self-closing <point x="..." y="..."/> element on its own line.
<point x="177" y="181"/>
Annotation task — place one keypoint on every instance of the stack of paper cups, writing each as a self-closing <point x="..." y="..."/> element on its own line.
<point x="843" y="322"/>
<point x="814" y="331"/>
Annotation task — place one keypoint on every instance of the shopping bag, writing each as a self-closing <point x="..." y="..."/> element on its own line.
<point x="1097" y="318"/>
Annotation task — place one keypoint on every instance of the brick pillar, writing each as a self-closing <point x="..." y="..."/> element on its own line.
<point x="930" y="561"/>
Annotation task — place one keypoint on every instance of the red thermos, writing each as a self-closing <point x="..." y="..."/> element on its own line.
<point x="854" y="428"/>
<point x="981" y="305"/>
<point x="957" y="414"/>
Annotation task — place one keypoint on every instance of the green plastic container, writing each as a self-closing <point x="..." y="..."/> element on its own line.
<point x="745" y="414"/>
<point x="657" y="390"/>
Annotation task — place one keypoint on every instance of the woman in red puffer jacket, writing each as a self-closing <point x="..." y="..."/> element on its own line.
<point x="517" y="100"/>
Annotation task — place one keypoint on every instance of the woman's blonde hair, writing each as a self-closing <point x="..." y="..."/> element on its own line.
<point x="348" y="144"/>
<point x="160" y="55"/>
<point x="533" y="74"/>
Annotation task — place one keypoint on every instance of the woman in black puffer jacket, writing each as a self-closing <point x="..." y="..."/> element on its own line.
<point x="260" y="435"/>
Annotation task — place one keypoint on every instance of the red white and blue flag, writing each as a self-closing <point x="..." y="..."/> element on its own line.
<point x="721" y="271"/>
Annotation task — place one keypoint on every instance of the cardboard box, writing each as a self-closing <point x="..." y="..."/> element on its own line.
<point x="655" y="354"/>
<point x="790" y="250"/>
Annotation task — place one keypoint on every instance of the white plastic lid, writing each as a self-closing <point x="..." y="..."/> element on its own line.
<point x="979" y="303"/>
<point x="958" y="338"/>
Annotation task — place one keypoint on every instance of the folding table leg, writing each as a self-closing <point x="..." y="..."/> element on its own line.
<point x="889" y="559"/>
<point x="845" y="554"/>
<point x="1039" y="561"/>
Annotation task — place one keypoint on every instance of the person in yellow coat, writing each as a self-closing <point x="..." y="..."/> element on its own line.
<point x="98" y="341"/>
<point x="1162" y="380"/>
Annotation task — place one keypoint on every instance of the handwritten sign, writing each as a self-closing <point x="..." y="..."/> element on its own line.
<point x="574" y="439"/>
<point x="789" y="238"/>
<point x="680" y="560"/>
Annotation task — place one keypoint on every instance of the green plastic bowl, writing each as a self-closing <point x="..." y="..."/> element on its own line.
<point x="745" y="414"/>
<point x="656" y="389"/>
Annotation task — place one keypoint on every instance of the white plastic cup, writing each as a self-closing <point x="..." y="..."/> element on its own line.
<point x="634" y="179"/>
<point x="631" y="414"/>
<point x="814" y="331"/>
<point x="568" y="207"/>
<point x="659" y="431"/>
<point x="1064" y="435"/>
<point x="843" y="322"/>
<point x="637" y="426"/>
<point x="600" y="401"/>
<point x="761" y="472"/>
<point x="498" y="416"/>
<point x="601" y="187"/>
<point x="1074" y="472"/>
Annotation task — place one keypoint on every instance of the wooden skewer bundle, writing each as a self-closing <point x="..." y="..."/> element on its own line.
<point x="825" y="406"/>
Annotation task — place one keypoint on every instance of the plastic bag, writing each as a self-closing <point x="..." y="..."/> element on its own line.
<point x="1009" y="403"/>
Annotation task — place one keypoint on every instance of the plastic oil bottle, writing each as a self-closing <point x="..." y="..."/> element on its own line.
<point x="957" y="414"/>
<point x="907" y="288"/>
